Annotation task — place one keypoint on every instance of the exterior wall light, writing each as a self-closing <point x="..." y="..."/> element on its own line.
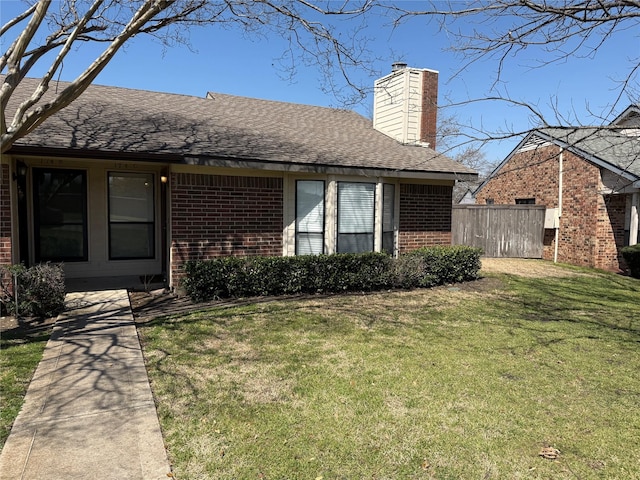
<point x="21" y="170"/>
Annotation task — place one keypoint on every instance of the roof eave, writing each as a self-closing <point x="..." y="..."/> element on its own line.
<point x="326" y="169"/>
<point x="253" y="164"/>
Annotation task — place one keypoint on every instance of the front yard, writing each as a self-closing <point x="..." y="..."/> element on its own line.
<point x="469" y="381"/>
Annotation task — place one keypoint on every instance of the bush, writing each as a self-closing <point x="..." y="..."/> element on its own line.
<point x="40" y="289"/>
<point x="631" y="255"/>
<point x="233" y="277"/>
<point x="443" y="265"/>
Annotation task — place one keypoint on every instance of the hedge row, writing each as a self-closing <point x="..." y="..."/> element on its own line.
<point x="234" y="277"/>
<point x="632" y="257"/>
<point x="40" y="291"/>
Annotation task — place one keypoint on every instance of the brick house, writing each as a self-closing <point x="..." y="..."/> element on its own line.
<point x="133" y="183"/>
<point x="589" y="180"/>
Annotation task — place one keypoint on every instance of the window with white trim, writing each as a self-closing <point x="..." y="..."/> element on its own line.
<point x="310" y="200"/>
<point x="388" y="218"/>
<point x="131" y="216"/>
<point x="356" y="217"/>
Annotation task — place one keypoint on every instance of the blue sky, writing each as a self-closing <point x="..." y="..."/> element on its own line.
<point x="226" y="61"/>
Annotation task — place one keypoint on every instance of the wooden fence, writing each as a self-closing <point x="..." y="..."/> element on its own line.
<point x="515" y="231"/>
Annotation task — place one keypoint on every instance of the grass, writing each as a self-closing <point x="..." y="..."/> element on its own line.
<point x="19" y="357"/>
<point x="464" y="382"/>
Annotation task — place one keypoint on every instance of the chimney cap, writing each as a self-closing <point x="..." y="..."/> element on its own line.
<point x="395" y="66"/>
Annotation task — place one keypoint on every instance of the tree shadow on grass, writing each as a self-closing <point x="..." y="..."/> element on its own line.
<point x="603" y="301"/>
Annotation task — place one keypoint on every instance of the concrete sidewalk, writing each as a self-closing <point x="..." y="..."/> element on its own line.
<point x="88" y="412"/>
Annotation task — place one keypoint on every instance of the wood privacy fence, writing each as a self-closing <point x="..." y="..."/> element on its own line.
<point x="515" y="231"/>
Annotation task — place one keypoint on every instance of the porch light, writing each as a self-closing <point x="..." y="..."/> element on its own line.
<point x="163" y="179"/>
<point x="21" y="170"/>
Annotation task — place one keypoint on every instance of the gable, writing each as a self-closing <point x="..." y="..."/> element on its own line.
<point x="630" y="118"/>
<point x="614" y="150"/>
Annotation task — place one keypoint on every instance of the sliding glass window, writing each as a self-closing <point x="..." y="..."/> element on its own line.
<point x="309" y="217"/>
<point x="131" y="216"/>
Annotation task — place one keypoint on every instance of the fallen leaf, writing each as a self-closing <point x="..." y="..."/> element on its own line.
<point x="549" y="453"/>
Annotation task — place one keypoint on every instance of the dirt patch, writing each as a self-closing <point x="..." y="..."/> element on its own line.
<point x="25" y="328"/>
<point x="525" y="267"/>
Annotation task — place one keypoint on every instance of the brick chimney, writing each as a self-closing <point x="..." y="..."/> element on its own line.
<point x="405" y="105"/>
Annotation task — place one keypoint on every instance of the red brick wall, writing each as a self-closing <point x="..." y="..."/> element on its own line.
<point x="580" y="197"/>
<point x="429" y="108"/>
<point x="425" y="216"/>
<point x="5" y="216"/>
<point x="216" y="215"/>
<point x="590" y="228"/>
<point x="610" y="233"/>
<point x="531" y="174"/>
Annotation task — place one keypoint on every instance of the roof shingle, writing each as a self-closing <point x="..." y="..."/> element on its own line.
<point x="150" y="124"/>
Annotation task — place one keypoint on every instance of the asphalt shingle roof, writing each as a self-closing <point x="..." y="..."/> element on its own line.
<point x="149" y="124"/>
<point x="619" y="148"/>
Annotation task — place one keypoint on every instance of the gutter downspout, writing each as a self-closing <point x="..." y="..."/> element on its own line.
<point x="560" y="166"/>
<point x="633" y="227"/>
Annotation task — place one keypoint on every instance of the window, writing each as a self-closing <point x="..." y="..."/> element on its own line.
<point x="309" y="217"/>
<point x="131" y="216"/>
<point x="60" y="200"/>
<point x="490" y="201"/>
<point x="356" y="217"/>
<point x="388" y="209"/>
<point x="525" y="201"/>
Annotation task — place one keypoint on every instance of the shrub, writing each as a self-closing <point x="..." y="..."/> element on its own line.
<point x="40" y="291"/>
<point x="445" y="264"/>
<point x="631" y="255"/>
<point x="233" y="277"/>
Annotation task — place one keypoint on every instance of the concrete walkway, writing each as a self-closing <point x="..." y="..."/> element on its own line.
<point x="88" y="412"/>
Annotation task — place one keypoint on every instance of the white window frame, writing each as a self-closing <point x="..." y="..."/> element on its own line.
<point x="331" y="210"/>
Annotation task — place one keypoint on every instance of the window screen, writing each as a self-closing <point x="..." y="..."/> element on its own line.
<point x="131" y="216"/>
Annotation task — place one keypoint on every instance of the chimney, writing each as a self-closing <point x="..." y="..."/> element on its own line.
<point x="405" y="104"/>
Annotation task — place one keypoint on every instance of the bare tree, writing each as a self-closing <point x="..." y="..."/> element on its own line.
<point x="71" y="23"/>
<point x="501" y="30"/>
<point x="452" y="142"/>
<point x="480" y="29"/>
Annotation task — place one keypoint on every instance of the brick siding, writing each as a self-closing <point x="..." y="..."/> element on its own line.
<point x="216" y="215"/>
<point x="610" y="233"/>
<point x="425" y="216"/>
<point x="5" y="216"/>
<point x="591" y="228"/>
<point x="428" y="119"/>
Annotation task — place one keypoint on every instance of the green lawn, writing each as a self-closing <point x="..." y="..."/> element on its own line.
<point x="19" y="357"/>
<point x="467" y="382"/>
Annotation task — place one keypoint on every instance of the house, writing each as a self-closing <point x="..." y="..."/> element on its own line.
<point x="463" y="192"/>
<point x="589" y="180"/>
<point x="135" y="183"/>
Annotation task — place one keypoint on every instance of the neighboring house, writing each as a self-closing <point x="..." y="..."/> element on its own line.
<point x="589" y="180"/>
<point x="129" y="182"/>
<point x="463" y="192"/>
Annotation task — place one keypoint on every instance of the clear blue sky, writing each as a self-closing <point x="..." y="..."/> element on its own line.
<point x="226" y="61"/>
